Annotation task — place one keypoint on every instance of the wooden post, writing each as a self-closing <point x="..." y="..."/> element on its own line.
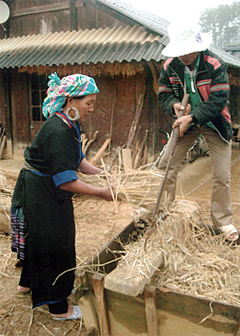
<point x="101" y="306"/>
<point x="2" y="145"/>
<point x="155" y="75"/>
<point x="86" y="303"/>
<point x="151" y="310"/>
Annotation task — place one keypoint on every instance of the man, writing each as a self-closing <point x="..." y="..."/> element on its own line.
<point x="195" y="70"/>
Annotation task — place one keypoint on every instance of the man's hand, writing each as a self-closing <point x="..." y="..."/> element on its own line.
<point x="185" y="120"/>
<point x="178" y="107"/>
<point x="183" y="123"/>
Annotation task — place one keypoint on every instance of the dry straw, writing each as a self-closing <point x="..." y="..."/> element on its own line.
<point x="139" y="187"/>
<point x="195" y="262"/>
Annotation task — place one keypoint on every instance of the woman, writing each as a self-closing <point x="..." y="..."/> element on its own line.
<point x="43" y="230"/>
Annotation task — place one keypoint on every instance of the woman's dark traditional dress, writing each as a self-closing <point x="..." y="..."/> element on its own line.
<point x="47" y="242"/>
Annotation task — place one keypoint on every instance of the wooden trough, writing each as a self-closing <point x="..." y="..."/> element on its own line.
<point x="147" y="310"/>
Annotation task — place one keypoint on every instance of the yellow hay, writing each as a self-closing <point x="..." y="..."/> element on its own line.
<point x="138" y="187"/>
<point x="195" y="262"/>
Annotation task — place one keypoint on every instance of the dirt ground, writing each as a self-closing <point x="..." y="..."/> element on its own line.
<point x="97" y="222"/>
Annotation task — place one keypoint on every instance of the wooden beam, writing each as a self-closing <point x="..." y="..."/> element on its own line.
<point x="44" y="9"/>
<point x="127" y="280"/>
<point x="101" y="305"/>
<point x="150" y="297"/>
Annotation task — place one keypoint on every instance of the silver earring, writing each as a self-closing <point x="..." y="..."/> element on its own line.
<point x="77" y="115"/>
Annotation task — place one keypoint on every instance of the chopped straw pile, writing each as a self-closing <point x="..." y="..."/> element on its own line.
<point x="195" y="262"/>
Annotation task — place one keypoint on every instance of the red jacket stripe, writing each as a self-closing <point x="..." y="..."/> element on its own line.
<point x="166" y="63"/>
<point x="216" y="64"/>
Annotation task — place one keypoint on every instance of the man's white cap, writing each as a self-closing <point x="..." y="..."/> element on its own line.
<point x="185" y="38"/>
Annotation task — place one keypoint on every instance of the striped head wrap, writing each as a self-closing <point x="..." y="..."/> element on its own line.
<point x="70" y="86"/>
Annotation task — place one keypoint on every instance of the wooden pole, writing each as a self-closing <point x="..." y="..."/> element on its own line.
<point x="139" y="153"/>
<point x="135" y="121"/>
<point x="111" y="123"/>
<point x="89" y="142"/>
<point x="100" y="152"/>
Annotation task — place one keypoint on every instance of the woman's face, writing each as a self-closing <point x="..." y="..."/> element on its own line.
<point x="85" y="105"/>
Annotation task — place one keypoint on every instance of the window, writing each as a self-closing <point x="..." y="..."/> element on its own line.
<point x="38" y="88"/>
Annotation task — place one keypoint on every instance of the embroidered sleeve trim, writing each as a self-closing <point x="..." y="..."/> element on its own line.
<point x="174" y="80"/>
<point x="204" y="82"/>
<point x="219" y="87"/>
<point x="164" y="89"/>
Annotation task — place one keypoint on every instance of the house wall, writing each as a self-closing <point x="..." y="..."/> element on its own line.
<point x="39" y="17"/>
<point x="114" y="111"/>
<point x="19" y="108"/>
<point x="116" y="107"/>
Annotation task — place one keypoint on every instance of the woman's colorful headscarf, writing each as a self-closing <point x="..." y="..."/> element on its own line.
<point x="70" y="86"/>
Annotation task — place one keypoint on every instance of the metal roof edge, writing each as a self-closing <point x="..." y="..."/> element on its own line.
<point x="227" y="57"/>
<point x="148" y="20"/>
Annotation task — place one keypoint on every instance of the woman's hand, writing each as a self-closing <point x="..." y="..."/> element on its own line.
<point x="108" y="193"/>
<point x="79" y="187"/>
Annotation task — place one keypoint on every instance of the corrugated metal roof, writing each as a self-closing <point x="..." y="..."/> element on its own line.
<point x="88" y="46"/>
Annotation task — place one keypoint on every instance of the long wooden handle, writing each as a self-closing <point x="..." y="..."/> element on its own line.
<point x="175" y="135"/>
<point x="173" y="144"/>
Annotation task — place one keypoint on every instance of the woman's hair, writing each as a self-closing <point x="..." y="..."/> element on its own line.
<point x="78" y="98"/>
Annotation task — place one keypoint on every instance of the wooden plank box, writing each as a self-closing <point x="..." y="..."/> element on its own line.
<point x="153" y="311"/>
